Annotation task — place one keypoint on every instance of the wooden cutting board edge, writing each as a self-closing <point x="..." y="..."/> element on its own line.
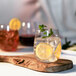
<point x="30" y="62"/>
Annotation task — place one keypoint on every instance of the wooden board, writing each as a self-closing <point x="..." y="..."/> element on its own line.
<point x="30" y="62"/>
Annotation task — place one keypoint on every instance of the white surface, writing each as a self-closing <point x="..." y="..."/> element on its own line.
<point x="22" y="50"/>
<point x="69" y="52"/>
<point x="7" y="69"/>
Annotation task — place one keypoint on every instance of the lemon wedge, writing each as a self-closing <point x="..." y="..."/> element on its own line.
<point x="58" y="51"/>
<point x="43" y="51"/>
<point x="15" y="24"/>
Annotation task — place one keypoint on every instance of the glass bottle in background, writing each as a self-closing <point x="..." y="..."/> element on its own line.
<point x="27" y="34"/>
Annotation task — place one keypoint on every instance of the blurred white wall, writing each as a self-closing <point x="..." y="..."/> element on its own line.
<point x="8" y="10"/>
<point x="64" y="16"/>
<point x="62" y="12"/>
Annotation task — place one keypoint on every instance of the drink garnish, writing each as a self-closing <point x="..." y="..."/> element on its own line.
<point x="58" y="51"/>
<point x="43" y="29"/>
<point x="43" y="51"/>
<point x="15" y="24"/>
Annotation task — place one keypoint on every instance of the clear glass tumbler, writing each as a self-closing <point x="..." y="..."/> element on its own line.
<point x="47" y="49"/>
<point x="27" y="34"/>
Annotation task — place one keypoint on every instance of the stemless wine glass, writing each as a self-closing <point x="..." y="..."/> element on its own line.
<point x="27" y="34"/>
<point x="47" y="49"/>
<point x="9" y="39"/>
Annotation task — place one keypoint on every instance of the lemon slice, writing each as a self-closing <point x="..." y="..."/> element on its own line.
<point x="58" y="51"/>
<point x="43" y="51"/>
<point x="15" y="24"/>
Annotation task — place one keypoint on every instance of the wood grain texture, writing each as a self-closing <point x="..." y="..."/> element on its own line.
<point x="30" y="62"/>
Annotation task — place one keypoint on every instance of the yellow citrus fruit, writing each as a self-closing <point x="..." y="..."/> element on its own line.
<point x="15" y="24"/>
<point x="43" y="51"/>
<point x="58" y="51"/>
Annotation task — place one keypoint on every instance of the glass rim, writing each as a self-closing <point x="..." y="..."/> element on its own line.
<point x="5" y="27"/>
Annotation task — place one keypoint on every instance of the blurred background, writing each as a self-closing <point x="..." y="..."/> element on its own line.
<point x="58" y="14"/>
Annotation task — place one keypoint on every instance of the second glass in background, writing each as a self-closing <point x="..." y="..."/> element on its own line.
<point x="27" y="34"/>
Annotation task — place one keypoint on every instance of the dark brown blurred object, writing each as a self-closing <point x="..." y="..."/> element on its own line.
<point x="27" y="39"/>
